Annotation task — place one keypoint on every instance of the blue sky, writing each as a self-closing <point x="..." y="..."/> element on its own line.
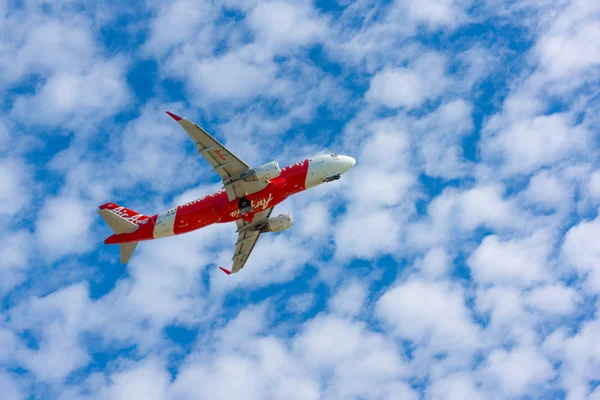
<point x="457" y="260"/>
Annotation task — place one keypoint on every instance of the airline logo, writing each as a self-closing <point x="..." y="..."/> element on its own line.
<point x="136" y="218"/>
<point x="260" y="205"/>
<point x="220" y="154"/>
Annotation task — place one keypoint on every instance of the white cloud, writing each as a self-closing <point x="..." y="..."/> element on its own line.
<point x="56" y="320"/>
<point x="555" y="299"/>
<point x="435" y="264"/>
<point x="300" y="303"/>
<point x="535" y="142"/>
<point x="164" y="287"/>
<point x="266" y="372"/>
<point x="15" y="183"/>
<point x="526" y="135"/>
<point x="77" y="98"/>
<point x="455" y="387"/>
<point x="278" y="257"/>
<point x="380" y="182"/>
<point x="165" y="275"/>
<point x="568" y="46"/>
<point x="9" y="342"/>
<point x="300" y="91"/>
<point x="581" y="250"/>
<point x="284" y="25"/>
<point x="397" y="88"/>
<point x="10" y="389"/>
<point x="229" y="64"/>
<point x="593" y="186"/>
<point x="553" y="343"/>
<point x="455" y="213"/>
<point x="549" y="192"/>
<point x="147" y="379"/>
<point x="517" y="261"/>
<point x="243" y="63"/>
<point x="367" y="235"/>
<point x="375" y="35"/>
<point x="509" y="320"/>
<point x="48" y="45"/>
<point x="16" y="249"/>
<point x="4" y="135"/>
<point x="63" y="226"/>
<point x="429" y="313"/>
<point x="580" y="358"/>
<point x="409" y="87"/>
<point x="435" y="14"/>
<point x="568" y="53"/>
<point x="76" y="85"/>
<point x="517" y="371"/>
<point x="360" y="362"/>
<point x="485" y="205"/>
<point x="349" y="299"/>
<point x="152" y="150"/>
<point x="595" y="395"/>
<point x="314" y="220"/>
<point x="383" y="163"/>
<point x="184" y="14"/>
<point x="439" y="136"/>
<point x="246" y="360"/>
<point x="232" y="77"/>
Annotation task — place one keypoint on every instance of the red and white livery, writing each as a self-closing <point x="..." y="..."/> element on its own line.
<point x="248" y="197"/>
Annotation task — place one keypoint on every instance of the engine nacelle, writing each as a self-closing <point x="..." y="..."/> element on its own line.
<point x="263" y="173"/>
<point x="278" y="224"/>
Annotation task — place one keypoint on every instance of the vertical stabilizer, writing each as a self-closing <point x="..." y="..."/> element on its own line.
<point x="117" y="223"/>
<point x="126" y="213"/>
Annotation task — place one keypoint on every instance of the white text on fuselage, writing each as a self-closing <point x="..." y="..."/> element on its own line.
<point x="298" y="164"/>
<point x="260" y="205"/>
<point x="138" y="219"/>
<point x="189" y="203"/>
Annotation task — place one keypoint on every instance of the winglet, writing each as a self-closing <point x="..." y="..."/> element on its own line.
<point x="225" y="270"/>
<point x="175" y="117"/>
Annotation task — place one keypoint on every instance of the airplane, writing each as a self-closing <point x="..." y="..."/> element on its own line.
<point x="248" y="197"/>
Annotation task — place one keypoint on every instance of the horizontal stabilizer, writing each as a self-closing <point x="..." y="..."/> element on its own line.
<point x="118" y="224"/>
<point x="127" y="250"/>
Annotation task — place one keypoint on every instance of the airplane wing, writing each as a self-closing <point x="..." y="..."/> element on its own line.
<point x="247" y="237"/>
<point x="223" y="161"/>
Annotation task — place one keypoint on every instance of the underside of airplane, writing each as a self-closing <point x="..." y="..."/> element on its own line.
<point x="247" y="198"/>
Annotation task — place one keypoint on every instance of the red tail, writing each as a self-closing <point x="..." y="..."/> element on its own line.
<point x="130" y="215"/>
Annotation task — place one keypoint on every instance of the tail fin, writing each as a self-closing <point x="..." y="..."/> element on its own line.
<point x="122" y="220"/>
<point x="125" y="213"/>
<point x="127" y="251"/>
<point x="117" y="224"/>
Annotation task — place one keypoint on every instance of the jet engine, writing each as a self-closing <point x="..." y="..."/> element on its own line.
<point x="263" y="173"/>
<point x="278" y="224"/>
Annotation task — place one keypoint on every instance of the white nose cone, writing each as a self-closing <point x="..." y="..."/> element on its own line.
<point x="327" y="168"/>
<point x="346" y="163"/>
<point x="351" y="161"/>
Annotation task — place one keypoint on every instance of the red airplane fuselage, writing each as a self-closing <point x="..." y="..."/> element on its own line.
<point x="210" y="209"/>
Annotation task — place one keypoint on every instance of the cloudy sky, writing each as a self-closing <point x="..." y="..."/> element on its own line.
<point x="459" y="259"/>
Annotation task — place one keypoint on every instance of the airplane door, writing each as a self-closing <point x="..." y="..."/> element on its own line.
<point x="164" y="223"/>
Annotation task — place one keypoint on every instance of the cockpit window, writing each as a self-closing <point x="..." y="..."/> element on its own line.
<point x="334" y="156"/>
